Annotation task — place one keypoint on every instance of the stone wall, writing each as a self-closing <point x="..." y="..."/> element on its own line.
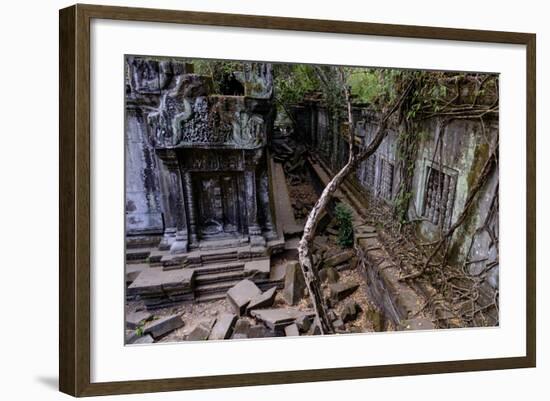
<point x="146" y="81"/>
<point x="461" y="153"/>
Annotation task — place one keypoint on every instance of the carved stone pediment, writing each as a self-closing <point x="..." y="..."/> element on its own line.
<point x="189" y="117"/>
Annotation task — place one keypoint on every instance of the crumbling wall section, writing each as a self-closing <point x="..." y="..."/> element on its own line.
<point x="451" y="155"/>
<point x="146" y="80"/>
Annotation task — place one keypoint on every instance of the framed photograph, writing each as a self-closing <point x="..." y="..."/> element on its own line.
<point x="249" y="200"/>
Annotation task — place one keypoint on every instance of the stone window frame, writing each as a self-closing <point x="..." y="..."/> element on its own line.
<point x="370" y="162"/>
<point x="381" y="160"/>
<point x="449" y="171"/>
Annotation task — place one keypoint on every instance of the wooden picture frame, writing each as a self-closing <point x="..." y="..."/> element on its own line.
<point x="75" y="207"/>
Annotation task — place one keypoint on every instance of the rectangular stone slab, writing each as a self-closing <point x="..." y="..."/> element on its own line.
<point x="156" y="281"/>
<point x="292" y="330"/>
<point x="339" y="291"/>
<point x="277" y="319"/>
<point x="134" y="319"/>
<point x="224" y="326"/>
<point x="160" y="327"/>
<point x="240" y="295"/>
<point x="146" y="339"/>
<point x="295" y="284"/>
<point x="263" y="300"/>
<point x="241" y="330"/>
<point x="199" y="333"/>
<point x="339" y="258"/>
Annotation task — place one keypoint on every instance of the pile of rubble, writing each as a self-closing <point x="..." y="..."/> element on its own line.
<point x="344" y="288"/>
<point x="253" y="314"/>
<point x="292" y="154"/>
<point x="250" y="310"/>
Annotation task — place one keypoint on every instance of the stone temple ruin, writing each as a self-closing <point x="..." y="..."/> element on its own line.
<point x="212" y="190"/>
<point x="217" y="190"/>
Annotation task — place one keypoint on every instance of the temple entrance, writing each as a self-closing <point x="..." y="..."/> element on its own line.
<point x="219" y="205"/>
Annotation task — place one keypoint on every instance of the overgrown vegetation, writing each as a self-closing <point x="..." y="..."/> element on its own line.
<point x="418" y="96"/>
<point x="343" y="216"/>
<point x="223" y="73"/>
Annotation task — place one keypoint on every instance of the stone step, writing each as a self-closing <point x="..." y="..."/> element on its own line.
<point x="215" y="288"/>
<point x="210" y="278"/>
<point x="138" y="255"/>
<point x="220" y="257"/>
<point x="210" y="297"/>
<point x="223" y="287"/>
<point x="214" y="268"/>
<point x="216" y="296"/>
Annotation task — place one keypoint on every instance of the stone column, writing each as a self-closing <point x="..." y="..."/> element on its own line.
<point x="254" y="229"/>
<point x="175" y="232"/>
<point x="191" y="211"/>
<point x="265" y="204"/>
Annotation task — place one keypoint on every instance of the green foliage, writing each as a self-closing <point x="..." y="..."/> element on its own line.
<point x="293" y="81"/>
<point x="217" y="69"/>
<point x="402" y="205"/>
<point x="139" y="331"/>
<point x="365" y="85"/>
<point x="345" y="226"/>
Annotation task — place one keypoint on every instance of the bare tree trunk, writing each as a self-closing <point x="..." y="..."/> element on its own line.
<point x="304" y="252"/>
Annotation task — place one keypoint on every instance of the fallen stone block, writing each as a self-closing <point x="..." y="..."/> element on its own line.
<point x="292" y="330"/>
<point x="278" y="319"/>
<point x="349" y="265"/>
<point x="131" y="276"/>
<point x="130" y="336"/>
<point x="320" y="242"/>
<point x="241" y="330"/>
<point x="339" y="258"/>
<point x="146" y="339"/>
<point x="260" y="331"/>
<point x="304" y="323"/>
<point x="199" y="333"/>
<point x="338" y="324"/>
<point x="340" y="291"/>
<point x="224" y="326"/>
<point x="295" y="284"/>
<point x="264" y="300"/>
<point x="350" y="312"/>
<point x="136" y="319"/>
<point x="329" y="274"/>
<point x="240" y="295"/>
<point x="160" y="327"/>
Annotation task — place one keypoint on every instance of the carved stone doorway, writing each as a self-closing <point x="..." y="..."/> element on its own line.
<point x="219" y="205"/>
